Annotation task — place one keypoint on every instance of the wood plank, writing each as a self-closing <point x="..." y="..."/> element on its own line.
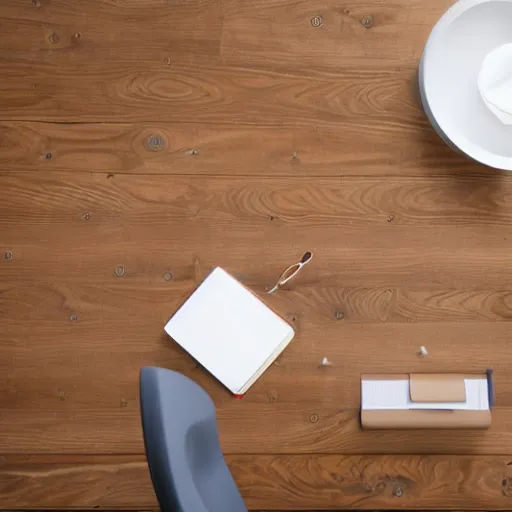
<point x="210" y="93"/>
<point x="227" y="150"/>
<point x="465" y="260"/>
<point x="268" y="481"/>
<point x="464" y="202"/>
<point x="66" y="31"/>
<point x="280" y="428"/>
<point x="281" y="33"/>
<point x="150" y="224"/>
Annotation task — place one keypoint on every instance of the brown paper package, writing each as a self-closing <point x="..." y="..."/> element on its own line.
<point x="429" y="388"/>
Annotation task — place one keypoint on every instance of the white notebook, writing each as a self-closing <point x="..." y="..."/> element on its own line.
<point x="229" y="331"/>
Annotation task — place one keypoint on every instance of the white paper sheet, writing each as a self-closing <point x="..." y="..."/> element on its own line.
<point x="395" y="394"/>
<point x="495" y="82"/>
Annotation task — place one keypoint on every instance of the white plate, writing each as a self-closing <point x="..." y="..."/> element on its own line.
<point x="448" y="78"/>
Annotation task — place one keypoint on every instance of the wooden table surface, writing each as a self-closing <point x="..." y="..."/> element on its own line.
<point x="144" y="142"/>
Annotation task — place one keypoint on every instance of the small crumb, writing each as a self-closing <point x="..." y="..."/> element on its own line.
<point x="391" y="218"/>
<point x="423" y="351"/>
<point x="191" y="152"/>
<point x="326" y="362"/>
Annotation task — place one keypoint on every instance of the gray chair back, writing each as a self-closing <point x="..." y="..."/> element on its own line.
<point x="187" y="467"/>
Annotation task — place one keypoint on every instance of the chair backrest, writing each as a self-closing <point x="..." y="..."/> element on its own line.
<point x="187" y="467"/>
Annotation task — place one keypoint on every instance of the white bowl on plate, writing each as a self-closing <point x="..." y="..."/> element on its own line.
<point x="450" y="70"/>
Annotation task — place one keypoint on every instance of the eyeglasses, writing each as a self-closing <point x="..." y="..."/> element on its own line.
<point x="291" y="272"/>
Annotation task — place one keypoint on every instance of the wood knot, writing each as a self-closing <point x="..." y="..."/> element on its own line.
<point x="119" y="271"/>
<point x="9" y="255"/>
<point x="339" y="478"/>
<point x="54" y="38"/>
<point x="367" y="21"/>
<point x="316" y="21"/>
<point x="155" y="143"/>
<point x="271" y="397"/>
<point x="398" y="492"/>
<point x="505" y="487"/>
<point x="313" y="418"/>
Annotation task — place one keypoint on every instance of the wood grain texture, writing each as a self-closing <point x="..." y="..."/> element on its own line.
<point x="210" y="93"/>
<point x="270" y="481"/>
<point x="464" y="202"/>
<point x="82" y="374"/>
<point x="374" y="149"/>
<point x="279" y="428"/>
<point x="282" y="33"/>
<point x="143" y="143"/>
<point x="148" y="224"/>
<point x="70" y="31"/>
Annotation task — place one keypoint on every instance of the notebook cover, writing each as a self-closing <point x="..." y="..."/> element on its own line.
<point x="228" y="330"/>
